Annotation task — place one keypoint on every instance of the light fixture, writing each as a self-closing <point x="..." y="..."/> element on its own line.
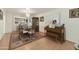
<point x="27" y="15"/>
<point x="27" y="12"/>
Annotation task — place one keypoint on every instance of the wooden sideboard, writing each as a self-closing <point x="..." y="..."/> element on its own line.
<point x="58" y="33"/>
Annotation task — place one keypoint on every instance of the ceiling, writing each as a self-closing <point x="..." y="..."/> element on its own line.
<point x="32" y="10"/>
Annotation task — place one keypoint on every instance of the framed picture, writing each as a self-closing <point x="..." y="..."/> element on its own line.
<point x="42" y="19"/>
<point x="74" y="13"/>
<point x="1" y="15"/>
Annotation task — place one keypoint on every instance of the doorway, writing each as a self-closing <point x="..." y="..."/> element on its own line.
<point x="35" y="24"/>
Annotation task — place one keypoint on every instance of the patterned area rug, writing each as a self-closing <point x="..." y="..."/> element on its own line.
<point x="16" y="41"/>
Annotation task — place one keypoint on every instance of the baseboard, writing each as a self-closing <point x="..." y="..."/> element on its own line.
<point x="1" y="35"/>
<point x="71" y="41"/>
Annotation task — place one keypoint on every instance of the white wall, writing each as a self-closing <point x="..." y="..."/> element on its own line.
<point x="71" y="24"/>
<point x="10" y="22"/>
<point x="62" y="14"/>
<point x="1" y="28"/>
<point x="2" y="25"/>
<point x="6" y="23"/>
<point x="48" y="17"/>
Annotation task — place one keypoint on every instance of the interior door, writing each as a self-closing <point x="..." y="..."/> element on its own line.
<point x="35" y="24"/>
